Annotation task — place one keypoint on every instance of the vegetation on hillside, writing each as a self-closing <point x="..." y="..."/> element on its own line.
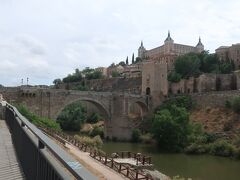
<point x="194" y="64"/>
<point x="234" y="104"/>
<point x="37" y="120"/>
<point x="78" y="76"/>
<point x="173" y="131"/>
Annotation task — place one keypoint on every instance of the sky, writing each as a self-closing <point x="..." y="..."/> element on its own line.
<point x="48" y="39"/>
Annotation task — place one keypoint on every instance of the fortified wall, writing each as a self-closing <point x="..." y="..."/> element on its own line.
<point x="214" y="99"/>
<point x="130" y="85"/>
<point x="206" y="83"/>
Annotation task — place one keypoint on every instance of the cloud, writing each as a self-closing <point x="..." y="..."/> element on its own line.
<point x="45" y="39"/>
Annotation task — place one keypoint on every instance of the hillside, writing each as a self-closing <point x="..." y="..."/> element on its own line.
<point x="222" y="121"/>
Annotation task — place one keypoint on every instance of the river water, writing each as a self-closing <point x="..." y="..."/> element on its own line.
<point x="197" y="167"/>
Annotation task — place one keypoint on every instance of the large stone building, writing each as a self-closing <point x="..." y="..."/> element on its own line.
<point x="158" y="62"/>
<point x="230" y="53"/>
<point x="168" y="52"/>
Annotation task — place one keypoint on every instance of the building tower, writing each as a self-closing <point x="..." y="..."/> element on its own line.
<point x="141" y="51"/>
<point x="200" y="46"/>
<point x="168" y="44"/>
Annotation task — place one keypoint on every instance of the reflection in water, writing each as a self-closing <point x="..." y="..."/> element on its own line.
<point x="202" y="167"/>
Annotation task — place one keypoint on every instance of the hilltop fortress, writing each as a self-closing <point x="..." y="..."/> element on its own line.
<point x="148" y="76"/>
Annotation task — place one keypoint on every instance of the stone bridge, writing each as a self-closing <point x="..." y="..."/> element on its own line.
<point x="115" y="106"/>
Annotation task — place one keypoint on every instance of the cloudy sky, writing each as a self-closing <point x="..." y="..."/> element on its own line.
<point x="48" y="39"/>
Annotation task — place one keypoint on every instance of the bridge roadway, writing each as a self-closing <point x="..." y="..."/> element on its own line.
<point x="10" y="168"/>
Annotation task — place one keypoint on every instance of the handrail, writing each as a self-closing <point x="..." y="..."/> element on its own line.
<point x="74" y="167"/>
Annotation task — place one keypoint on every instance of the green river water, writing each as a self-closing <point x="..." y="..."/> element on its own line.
<point x="197" y="167"/>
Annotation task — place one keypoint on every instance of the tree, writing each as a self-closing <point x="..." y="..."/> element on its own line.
<point x="171" y="127"/>
<point x="127" y="61"/>
<point x="138" y="59"/>
<point x="72" y="117"/>
<point x="209" y="62"/>
<point x="122" y="63"/>
<point x="133" y="58"/>
<point x="174" y="77"/>
<point x="188" y="65"/>
<point x="57" y="81"/>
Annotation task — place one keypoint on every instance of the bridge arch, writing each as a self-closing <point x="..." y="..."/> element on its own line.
<point x="140" y="108"/>
<point x="98" y="104"/>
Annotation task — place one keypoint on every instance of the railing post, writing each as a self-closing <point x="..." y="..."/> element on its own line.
<point x="136" y="175"/>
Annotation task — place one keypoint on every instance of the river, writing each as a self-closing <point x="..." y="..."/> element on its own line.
<point x="197" y="167"/>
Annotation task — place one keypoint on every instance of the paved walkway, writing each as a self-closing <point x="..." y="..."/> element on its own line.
<point x="108" y="173"/>
<point x="9" y="166"/>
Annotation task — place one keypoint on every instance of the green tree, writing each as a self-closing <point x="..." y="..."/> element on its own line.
<point x="188" y="65"/>
<point x="138" y="59"/>
<point x="72" y="117"/>
<point x="235" y="104"/>
<point x="57" y="81"/>
<point x="122" y="63"/>
<point x="133" y="58"/>
<point x="174" y="77"/>
<point x="127" y="61"/>
<point x="171" y="128"/>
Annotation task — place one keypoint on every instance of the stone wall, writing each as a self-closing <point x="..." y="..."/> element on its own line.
<point x="214" y="99"/>
<point x="131" y="85"/>
<point x="206" y="83"/>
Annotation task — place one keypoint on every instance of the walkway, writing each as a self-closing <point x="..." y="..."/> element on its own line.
<point x="93" y="164"/>
<point x="9" y="165"/>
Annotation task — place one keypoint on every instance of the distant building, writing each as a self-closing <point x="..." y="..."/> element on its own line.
<point x="225" y="53"/>
<point x="168" y="52"/>
<point x="114" y="68"/>
<point x="133" y="70"/>
<point x="103" y="70"/>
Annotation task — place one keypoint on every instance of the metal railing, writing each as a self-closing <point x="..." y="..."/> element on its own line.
<point x="124" y="169"/>
<point x="40" y="157"/>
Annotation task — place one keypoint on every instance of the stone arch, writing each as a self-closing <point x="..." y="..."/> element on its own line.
<point x="143" y="107"/>
<point x="98" y="104"/>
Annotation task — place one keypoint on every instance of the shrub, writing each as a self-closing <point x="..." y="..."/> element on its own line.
<point x="197" y="149"/>
<point x="146" y="138"/>
<point x="93" y="118"/>
<point x="97" y="131"/>
<point x="136" y="133"/>
<point x="179" y="101"/>
<point x="37" y="120"/>
<point x="92" y="142"/>
<point x="235" y="104"/>
<point x="222" y="148"/>
<point x="174" y="77"/>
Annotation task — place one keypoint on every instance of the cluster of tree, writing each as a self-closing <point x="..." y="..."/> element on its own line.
<point x="72" y="117"/>
<point x="78" y="76"/>
<point x="170" y="124"/>
<point x="194" y="64"/>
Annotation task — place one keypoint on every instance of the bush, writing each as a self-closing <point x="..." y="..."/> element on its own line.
<point x="222" y="148"/>
<point x="136" y="133"/>
<point x="228" y="104"/>
<point x="97" y="131"/>
<point x="92" y="142"/>
<point x="72" y="117"/>
<point x="93" y="118"/>
<point x="174" y="77"/>
<point x="179" y="101"/>
<point x="146" y="138"/>
<point x="235" y="104"/>
<point x="37" y="120"/>
<point x="197" y="149"/>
